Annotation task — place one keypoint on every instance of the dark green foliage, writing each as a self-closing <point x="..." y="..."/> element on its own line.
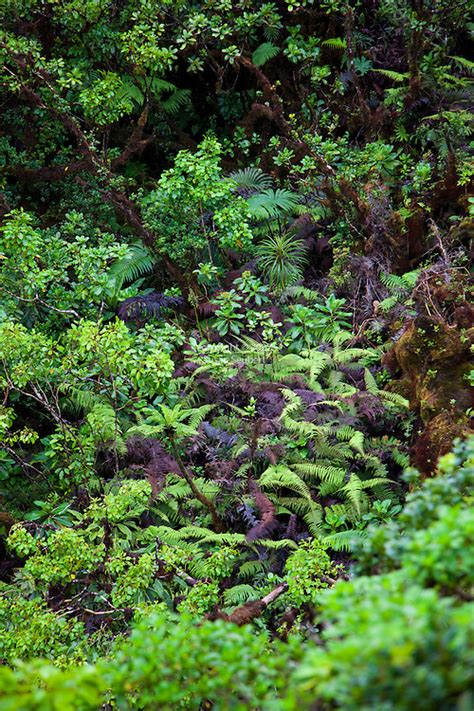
<point x="233" y="311"/>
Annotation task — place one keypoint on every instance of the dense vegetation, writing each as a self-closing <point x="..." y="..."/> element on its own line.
<point x="235" y="335"/>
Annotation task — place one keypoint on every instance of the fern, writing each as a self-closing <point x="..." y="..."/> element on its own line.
<point x="277" y="545"/>
<point x="176" y="488"/>
<point x="252" y="179"/>
<point x="281" y="477"/>
<point x="137" y="262"/>
<point x="272" y="203"/>
<point x="335" y="43"/>
<point x="239" y="594"/>
<point x="394" y="399"/>
<point x="334" y="476"/>
<point x="176" y="101"/>
<point x="405" y="281"/>
<point x="341" y="541"/>
<point x="353" y="491"/>
<point x="394" y="76"/>
<point x="251" y="568"/>
<point x="464" y="63"/>
<point x="386" y="396"/>
<point x="370" y="382"/>
<point x="76" y="399"/>
<point x="302" y="292"/>
<point x="130" y="90"/>
<point x="264" y="53"/>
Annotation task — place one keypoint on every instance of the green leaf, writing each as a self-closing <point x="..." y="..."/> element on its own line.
<point x="264" y="53"/>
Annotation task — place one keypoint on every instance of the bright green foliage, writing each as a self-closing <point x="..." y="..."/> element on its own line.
<point x="307" y="571"/>
<point x="222" y="226"/>
<point x="194" y="210"/>
<point x="61" y="557"/>
<point x="131" y="586"/>
<point x="443" y="553"/>
<point x="106" y="100"/>
<point x="188" y="663"/>
<point x="30" y="629"/>
<point x="385" y="632"/>
<point x="389" y="646"/>
<point x="49" y="276"/>
<point x="316" y="323"/>
<point x="428" y="514"/>
<point x="129" y="501"/>
<point x="282" y="258"/>
<point x="42" y="687"/>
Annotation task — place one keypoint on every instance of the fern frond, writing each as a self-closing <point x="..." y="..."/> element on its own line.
<point x="251" y="178"/>
<point x="341" y="541"/>
<point x="370" y="382"/>
<point x="372" y="483"/>
<point x="336" y="43"/>
<point x="176" y="101"/>
<point x="352" y="354"/>
<point x="394" y="399"/>
<point x="85" y="400"/>
<point x="297" y="292"/>
<point x="464" y="63"/>
<point x="239" y="594"/>
<point x="198" y="414"/>
<point x="137" y="262"/>
<point x="251" y="568"/>
<point x="394" y="76"/>
<point x="330" y="474"/>
<point x="276" y="545"/>
<point x="272" y="203"/>
<point x="264" y="53"/>
<point x="281" y="477"/>
<point x="353" y="491"/>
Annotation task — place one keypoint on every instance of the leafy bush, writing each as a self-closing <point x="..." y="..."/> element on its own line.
<point x="194" y="210"/>
<point x="224" y="228"/>
<point x="389" y="645"/>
